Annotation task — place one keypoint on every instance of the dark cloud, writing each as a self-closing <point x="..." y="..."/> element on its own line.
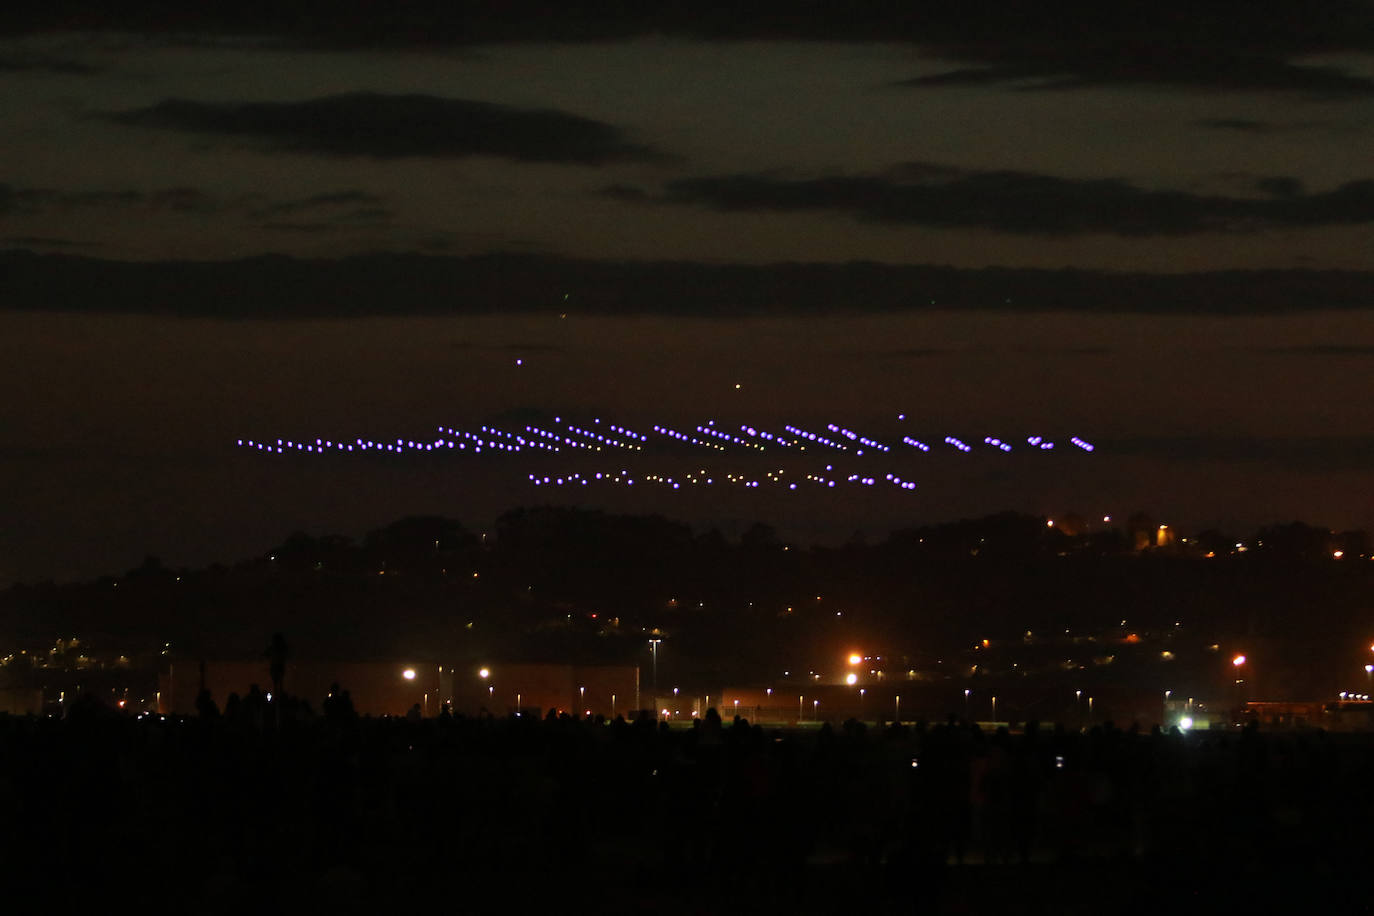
<point x="46" y="65"/>
<point x="319" y="202"/>
<point x="42" y="241"/>
<point x="297" y="227"/>
<point x="1024" y="203"/>
<point x="316" y="213"/>
<point x="323" y="212"/>
<point x="404" y="284"/>
<point x="1074" y="68"/>
<point x="30" y="201"/>
<point x="394" y="126"/>
<point x="1280" y="186"/>
<point x="1042" y="44"/>
<point x="625" y="192"/>
<point x="1243" y="125"/>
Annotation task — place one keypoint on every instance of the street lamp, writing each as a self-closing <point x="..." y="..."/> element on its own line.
<point x="966" y="702"/>
<point x="994" y="709"/>
<point x="1236" y="663"/>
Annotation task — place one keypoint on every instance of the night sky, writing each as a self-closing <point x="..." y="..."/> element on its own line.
<point x="1154" y="228"/>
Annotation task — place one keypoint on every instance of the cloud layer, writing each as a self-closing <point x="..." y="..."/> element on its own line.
<point x="386" y="284"/>
<point x="1219" y="45"/>
<point x="392" y="126"/>
<point x="1025" y="203"/>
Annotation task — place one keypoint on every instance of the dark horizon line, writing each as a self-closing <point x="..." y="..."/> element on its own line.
<point x="696" y="531"/>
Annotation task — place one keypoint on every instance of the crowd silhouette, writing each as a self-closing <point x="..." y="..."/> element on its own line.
<point x="273" y="797"/>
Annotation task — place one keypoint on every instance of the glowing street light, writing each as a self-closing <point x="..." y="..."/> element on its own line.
<point x="408" y="674"/>
<point x="1238" y="660"/>
<point x="851" y="679"/>
<point x="856" y="659"/>
<point x="484" y="673"/>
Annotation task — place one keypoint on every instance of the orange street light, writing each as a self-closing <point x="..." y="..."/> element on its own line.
<point x="1238" y="660"/>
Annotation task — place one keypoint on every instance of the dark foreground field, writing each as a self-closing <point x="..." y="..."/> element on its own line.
<point x="271" y="811"/>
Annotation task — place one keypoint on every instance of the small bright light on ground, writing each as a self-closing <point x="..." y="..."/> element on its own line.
<point x="851" y="679"/>
<point x="1185" y="723"/>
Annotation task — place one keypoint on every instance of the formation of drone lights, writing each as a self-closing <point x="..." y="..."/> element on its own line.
<point x="855" y="437"/>
<point x="567" y="437"/>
